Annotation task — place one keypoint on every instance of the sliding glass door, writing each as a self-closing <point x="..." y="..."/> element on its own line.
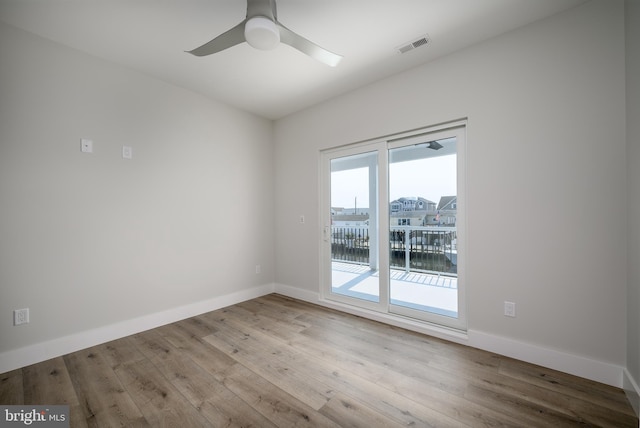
<point x="393" y="225"/>
<point x="352" y="228"/>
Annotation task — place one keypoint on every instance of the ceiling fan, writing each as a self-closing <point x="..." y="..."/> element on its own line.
<point x="262" y="30"/>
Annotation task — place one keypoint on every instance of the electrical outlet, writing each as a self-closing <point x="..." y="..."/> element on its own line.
<point x="258" y="269"/>
<point x="509" y="309"/>
<point x="21" y="316"/>
<point x="127" y="152"/>
<point x="301" y="219"/>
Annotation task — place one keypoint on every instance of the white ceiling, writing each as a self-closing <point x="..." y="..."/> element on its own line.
<point x="151" y="36"/>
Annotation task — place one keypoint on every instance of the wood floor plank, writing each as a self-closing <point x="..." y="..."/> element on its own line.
<point x="408" y="399"/>
<point x="534" y="412"/>
<point x="451" y="404"/>
<point x="381" y="356"/>
<point x="555" y="381"/>
<point x="283" y="327"/>
<point x="320" y="316"/>
<point x="434" y="388"/>
<point x="363" y="342"/>
<point x="521" y="409"/>
<point x="194" y="382"/>
<point x="11" y="388"/>
<point x="568" y="407"/>
<point x="387" y="340"/>
<point x="208" y="357"/>
<point x="49" y="383"/>
<point x="103" y="399"/>
<point x="275" y="361"/>
<point x="483" y="369"/>
<point x="386" y="401"/>
<point x="277" y="310"/>
<point x="485" y="364"/>
<point x="349" y="379"/>
<point x="158" y="399"/>
<point x="196" y="326"/>
<point x="356" y="414"/>
<point x="244" y="349"/>
<point x="201" y="388"/>
<point x="119" y="352"/>
<point x="279" y="407"/>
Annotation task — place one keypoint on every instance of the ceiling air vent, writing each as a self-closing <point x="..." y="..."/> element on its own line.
<point x="422" y="41"/>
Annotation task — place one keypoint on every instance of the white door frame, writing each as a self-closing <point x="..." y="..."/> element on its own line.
<point x="381" y="147"/>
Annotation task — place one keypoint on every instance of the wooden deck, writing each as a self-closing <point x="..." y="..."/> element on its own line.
<point x="278" y="362"/>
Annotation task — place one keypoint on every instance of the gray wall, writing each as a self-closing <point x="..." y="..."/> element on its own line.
<point x="632" y="25"/>
<point x="89" y="240"/>
<point x="546" y="139"/>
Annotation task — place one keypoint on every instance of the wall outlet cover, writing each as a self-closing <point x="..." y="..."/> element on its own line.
<point x="21" y="316"/>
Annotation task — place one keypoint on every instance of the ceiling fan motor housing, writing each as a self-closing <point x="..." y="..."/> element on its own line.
<point x="261" y="33"/>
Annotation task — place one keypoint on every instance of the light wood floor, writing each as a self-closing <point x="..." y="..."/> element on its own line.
<point x="278" y="362"/>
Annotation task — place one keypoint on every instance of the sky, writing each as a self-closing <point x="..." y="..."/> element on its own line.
<point x="429" y="178"/>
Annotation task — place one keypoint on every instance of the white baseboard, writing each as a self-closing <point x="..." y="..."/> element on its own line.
<point x="598" y="371"/>
<point x="14" y="359"/>
<point x="632" y="390"/>
<point x="297" y="293"/>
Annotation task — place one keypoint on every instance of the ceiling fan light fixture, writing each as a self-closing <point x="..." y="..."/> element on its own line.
<point x="261" y="33"/>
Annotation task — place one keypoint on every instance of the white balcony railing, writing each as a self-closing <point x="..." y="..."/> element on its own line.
<point x="411" y="248"/>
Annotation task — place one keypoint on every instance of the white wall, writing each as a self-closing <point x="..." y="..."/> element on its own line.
<point x="94" y="243"/>
<point x="632" y="26"/>
<point x="89" y="241"/>
<point x="546" y="140"/>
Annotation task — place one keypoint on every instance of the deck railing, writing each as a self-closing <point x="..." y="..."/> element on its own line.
<point x="412" y="248"/>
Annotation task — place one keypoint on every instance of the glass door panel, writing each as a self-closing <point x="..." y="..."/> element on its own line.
<point x="422" y="229"/>
<point x="353" y="230"/>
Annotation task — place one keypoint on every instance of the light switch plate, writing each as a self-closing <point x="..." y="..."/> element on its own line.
<point x="127" y="152"/>
<point x="86" y="146"/>
<point x="509" y="309"/>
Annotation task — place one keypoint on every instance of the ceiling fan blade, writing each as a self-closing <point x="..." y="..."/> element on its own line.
<point x="232" y="37"/>
<point x="305" y="46"/>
